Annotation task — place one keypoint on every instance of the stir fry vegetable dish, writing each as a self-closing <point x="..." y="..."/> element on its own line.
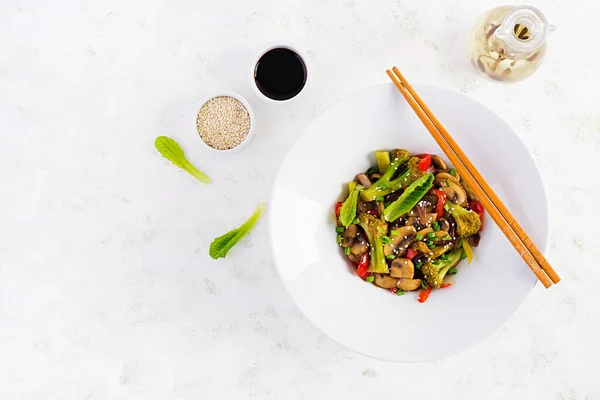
<point x="408" y="222"/>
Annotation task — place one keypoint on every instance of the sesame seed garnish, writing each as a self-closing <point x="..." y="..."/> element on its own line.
<point x="223" y="122"/>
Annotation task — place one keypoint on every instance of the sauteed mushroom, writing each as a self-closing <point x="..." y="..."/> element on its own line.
<point x="408" y="284"/>
<point x="402" y="268"/>
<point x="438" y="162"/>
<point x="400" y="242"/>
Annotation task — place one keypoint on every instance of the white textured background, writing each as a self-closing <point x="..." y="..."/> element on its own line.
<point x="106" y="287"/>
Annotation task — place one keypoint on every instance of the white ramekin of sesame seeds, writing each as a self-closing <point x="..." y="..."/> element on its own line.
<point x="224" y="121"/>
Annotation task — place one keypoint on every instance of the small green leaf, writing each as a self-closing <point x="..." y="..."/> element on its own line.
<point x="174" y="153"/>
<point x="221" y="245"/>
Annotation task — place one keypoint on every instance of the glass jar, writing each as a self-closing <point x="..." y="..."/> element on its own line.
<point x="508" y="43"/>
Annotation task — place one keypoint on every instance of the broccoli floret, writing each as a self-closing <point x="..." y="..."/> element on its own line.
<point x="412" y="173"/>
<point x="400" y="154"/>
<point x="385" y="184"/>
<point x="375" y="229"/>
<point x="435" y="273"/>
<point x="467" y="221"/>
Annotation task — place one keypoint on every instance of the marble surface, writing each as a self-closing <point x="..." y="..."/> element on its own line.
<point x="106" y="287"/>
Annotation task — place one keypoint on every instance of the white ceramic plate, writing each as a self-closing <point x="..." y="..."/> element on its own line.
<point x="340" y="143"/>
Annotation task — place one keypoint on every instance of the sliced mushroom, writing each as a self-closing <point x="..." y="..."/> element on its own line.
<point x="364" y="180"/>
<point x="440" y="234"/>
<point x="438" y="163"/>
<point x="360" y="246"/>
<point x="385" y="281"/>
<point x="408" y="284"/>
<point x="412" y="221"/>
<point x="444" y="224"/>
<point x="424" y="232"/>
<point x="354" y="257"/>
<point x="456" y="176"/>
<point x="349" y="236"/>
<point x="400" y="242"/>
<point x="421" y="247"/>
<point x="429" y="219"/>
<point x="374" y="177"/>
<point x="402" y="268"/>
<point x="442" y="179"/>
<point x="456" y="194"/>
<point x="428" y="202"/>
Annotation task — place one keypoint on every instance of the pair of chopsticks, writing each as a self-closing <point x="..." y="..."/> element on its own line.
<point x="492" y="204"/>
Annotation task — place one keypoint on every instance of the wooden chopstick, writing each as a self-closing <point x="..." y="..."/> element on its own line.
<point x="496" y="209"/>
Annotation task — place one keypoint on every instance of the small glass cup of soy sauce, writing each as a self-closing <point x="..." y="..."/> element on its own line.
<point x="280" y="73"/>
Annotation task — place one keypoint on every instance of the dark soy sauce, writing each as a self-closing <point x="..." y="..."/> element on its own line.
<point x="280" y="74"/>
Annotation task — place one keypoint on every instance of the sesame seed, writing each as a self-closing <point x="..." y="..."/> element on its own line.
<point x="223" y="122"/>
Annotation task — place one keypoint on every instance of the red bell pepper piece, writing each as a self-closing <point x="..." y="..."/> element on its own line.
<point x="439" y="208"/>
<point x="410" y="254"/>
<point x="393" y="290"/>
<point x="363" y="264"/>
<point x="445" y="285"/>
<point x="476" y="206"/>
<point x="338" y="207"/>
<point x="425" y="162"/>
<point x="424" y="294"/>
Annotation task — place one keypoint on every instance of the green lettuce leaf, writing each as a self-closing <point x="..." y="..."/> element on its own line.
<point x="409" y="198"/>
<point x="221" y="245"/>
<point x="174" y="153"/>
